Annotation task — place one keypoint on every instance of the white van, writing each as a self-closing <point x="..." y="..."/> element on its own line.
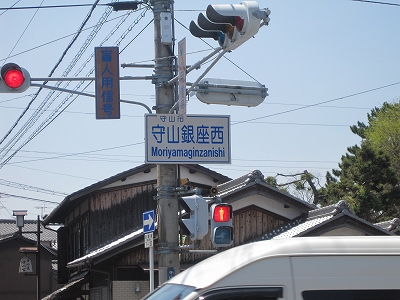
<point x="308" y="268"/>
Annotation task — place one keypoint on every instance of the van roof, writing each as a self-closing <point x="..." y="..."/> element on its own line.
<point x="220" y="265"/>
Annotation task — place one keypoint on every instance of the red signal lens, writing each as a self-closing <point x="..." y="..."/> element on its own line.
<point x="239" y="23"/>
<point x="222" y="213"/>
<point x="13" y="78"/>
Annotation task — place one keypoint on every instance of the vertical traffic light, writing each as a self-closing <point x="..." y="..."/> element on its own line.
<point x="221" y="225"/>
<point x="230" y="24"/>
<point x="196" y="222"/>
<point x="14" y="79"/>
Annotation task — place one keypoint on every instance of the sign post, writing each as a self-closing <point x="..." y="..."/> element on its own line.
<point x="182" y="76"/>
<point x="148" y="228"/>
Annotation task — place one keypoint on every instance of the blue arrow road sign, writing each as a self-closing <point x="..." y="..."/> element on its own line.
<point x="148" y="221"/>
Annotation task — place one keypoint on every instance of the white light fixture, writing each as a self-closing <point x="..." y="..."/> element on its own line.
<point x="20" y="214"/>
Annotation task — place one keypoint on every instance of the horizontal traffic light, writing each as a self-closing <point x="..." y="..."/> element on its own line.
<point x="230" y="24"/>
<point x="14" y="79"/>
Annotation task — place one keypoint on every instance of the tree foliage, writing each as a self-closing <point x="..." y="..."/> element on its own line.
<point x="384" y="133"/>
<point x="368" y="176"/>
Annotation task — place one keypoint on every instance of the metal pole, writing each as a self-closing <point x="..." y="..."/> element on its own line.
<point x="168" y="239"/>
<point x="38" y="259"/>
<point x="151" y="261"/>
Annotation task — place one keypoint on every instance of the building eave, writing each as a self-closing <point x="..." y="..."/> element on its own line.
<point x="58" y="214"/>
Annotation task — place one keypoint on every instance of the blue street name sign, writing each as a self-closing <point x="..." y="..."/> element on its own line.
<point x="148" y="221"/>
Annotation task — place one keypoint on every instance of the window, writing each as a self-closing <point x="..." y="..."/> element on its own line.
<point x="250" y="293"/>
<point x="170" y="292"/>
<point x="79" y="237"/>
<point x="352" y="295"/>
<point x="85" y="235"/>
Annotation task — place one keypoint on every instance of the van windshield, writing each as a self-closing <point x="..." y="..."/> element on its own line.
<point x="170" y="292"/>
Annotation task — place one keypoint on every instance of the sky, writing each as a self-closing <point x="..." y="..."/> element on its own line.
<point x="326" y="64"/>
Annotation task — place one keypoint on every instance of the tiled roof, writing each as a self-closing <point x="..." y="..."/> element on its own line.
<point x="87" y="259"/>
<point x="288" y="232"/>
<point x="255" y="177"/>
<point x="8" y="228"/>
<point x="318" y="217"/>
<point x="58" y="214"/>
<point x="392" y="225"/>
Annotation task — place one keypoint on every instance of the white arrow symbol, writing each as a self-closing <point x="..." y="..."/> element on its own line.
<point x="148" y="222"/>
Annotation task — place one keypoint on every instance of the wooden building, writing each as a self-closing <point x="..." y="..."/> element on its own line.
<point x="101" y="241"/>
<point x="23" y="286"/>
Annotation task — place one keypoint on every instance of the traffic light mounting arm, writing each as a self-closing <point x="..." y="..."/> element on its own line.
<point x="263" y="14"/>
<point x="87" y="94"/>
<point x="220" y="55"/>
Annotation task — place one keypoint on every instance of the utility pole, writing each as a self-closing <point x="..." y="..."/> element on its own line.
<point x="168" y="239"/>
<point x="38" y="290"/>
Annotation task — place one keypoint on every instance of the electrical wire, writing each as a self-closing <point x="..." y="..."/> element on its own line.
<point x="8" y="8"/>
<point x="53" y="116"/>
<point x="317" y="104"/>
<point x="27" y="198"/>
<point x="377" y="2"/>
<point x="27" y="26"/>
<point x="30" y="188"/>
<point x="47" y="6"/>
<point x="37" y="114"/>
<point x="58" y="39"/>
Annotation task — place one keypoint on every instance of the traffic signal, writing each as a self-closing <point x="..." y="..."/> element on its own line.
<point x="195" y="223"/>
<point x="14" y="79"/>
<point x="221" y="225"/>
<point x="230" y="24"/>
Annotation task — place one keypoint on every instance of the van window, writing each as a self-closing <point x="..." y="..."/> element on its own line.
<point x="244" y="293"/>
<point x="170" y="292"/>
<point x="352" y="295"/>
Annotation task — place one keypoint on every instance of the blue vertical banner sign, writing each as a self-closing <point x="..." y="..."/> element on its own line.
<point x="182" y="76"/>
<point x="107" y="83"/>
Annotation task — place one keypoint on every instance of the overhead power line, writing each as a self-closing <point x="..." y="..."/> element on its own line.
<point x="30" y="188"/>
<point x="27" y="198"/>
<point x="317" y="104"/>
<point x="58" y="111"/>
<point x="378" y="2"/>
<point x="39" y="111"/>
<point x="48" y="6"/>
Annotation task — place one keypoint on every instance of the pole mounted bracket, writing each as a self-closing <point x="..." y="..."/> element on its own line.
<point x="263" y="14"/>
<point x="166" y="249"/>
<point x="164" y="192"/>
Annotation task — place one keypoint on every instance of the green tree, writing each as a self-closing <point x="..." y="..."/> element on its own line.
<point x="368" y="178"/>
<point x="384" y="133"/>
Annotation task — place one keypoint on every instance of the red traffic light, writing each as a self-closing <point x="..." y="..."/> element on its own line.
<point x="13" y="78"/>
<point x="222" y="213"/>
<point x="239" y="23"/>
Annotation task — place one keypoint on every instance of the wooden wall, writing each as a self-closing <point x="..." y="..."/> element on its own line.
<point x="114" y="213"/>
<point x="248" y="224"/>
